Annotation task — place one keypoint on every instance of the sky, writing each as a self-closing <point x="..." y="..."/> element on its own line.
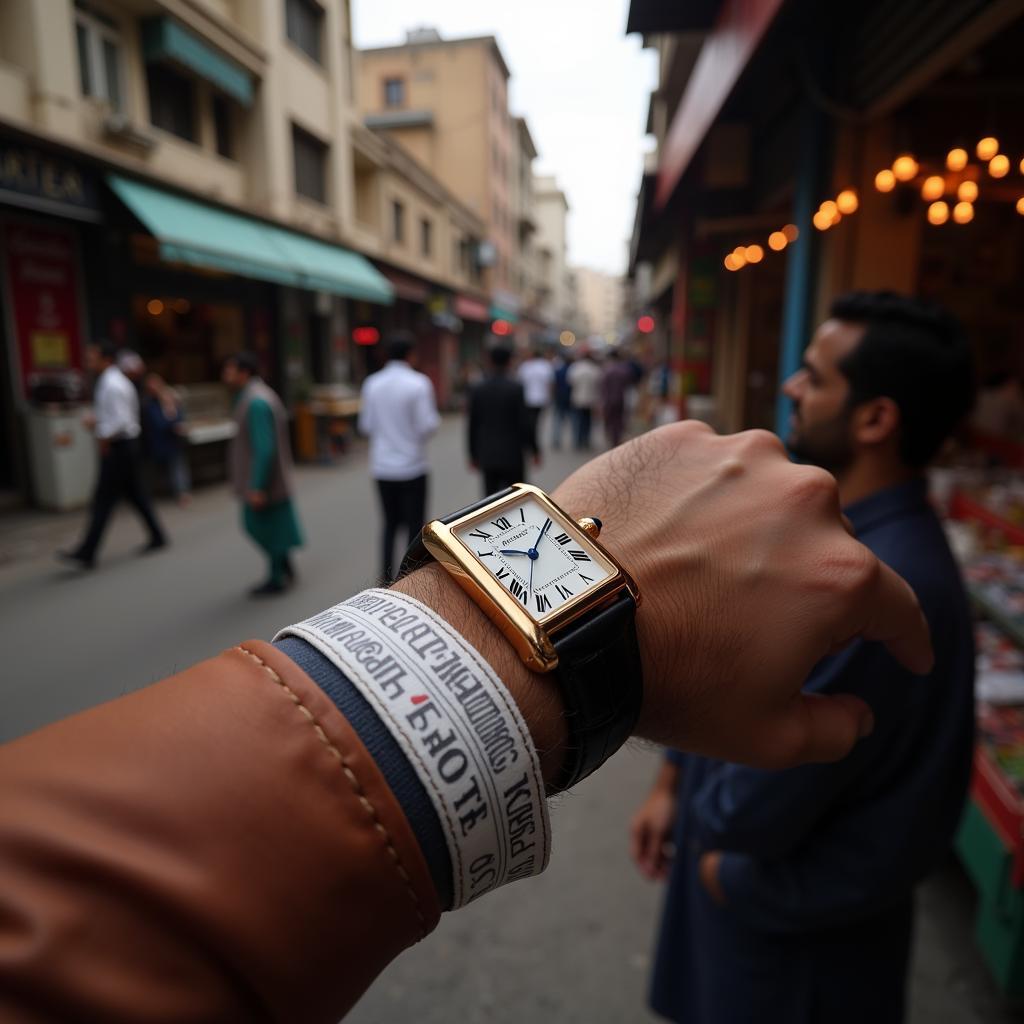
<point x="582" y="85"/>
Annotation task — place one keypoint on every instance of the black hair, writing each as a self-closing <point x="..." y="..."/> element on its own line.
<point x="500" y="357"/>
<point x="915" y="353"/>
<point x="246" y="361"/>
<point x="400" y="344"/>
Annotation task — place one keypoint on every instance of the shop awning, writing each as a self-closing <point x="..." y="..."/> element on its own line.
<point x="165" y="39"/>
<point x="206" y="236"/>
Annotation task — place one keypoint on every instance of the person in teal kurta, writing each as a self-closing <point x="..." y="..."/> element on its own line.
<point x="261" y="468"/>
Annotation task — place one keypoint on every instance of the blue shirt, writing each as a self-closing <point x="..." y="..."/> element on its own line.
<point x="820" y="861"/>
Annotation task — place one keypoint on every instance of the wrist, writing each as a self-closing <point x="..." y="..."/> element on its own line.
<point x="537" y="696"/>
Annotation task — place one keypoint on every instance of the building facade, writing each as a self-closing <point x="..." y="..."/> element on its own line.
<point x="600" y="303"/>
<point x="556" y="293"/>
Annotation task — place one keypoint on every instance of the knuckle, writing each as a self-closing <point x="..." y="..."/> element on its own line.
<point x="810" y="483"/>
<point x="760" y="442"/>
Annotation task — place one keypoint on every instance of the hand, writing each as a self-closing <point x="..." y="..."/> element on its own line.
<point x="748" y="577"/>
<point x="650" y="833"/>
<point x="256" y="499"/>
<point x="708" y="871"/>
<point x="89" y="420"/>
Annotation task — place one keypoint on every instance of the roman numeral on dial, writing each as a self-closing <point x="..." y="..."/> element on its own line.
<point x="563" y="592"/>
<point x="481" y="534"/>
<point x="563" y="539"/>
<point x="502" y="523"/>
<point x="503" y="574"/>
<point x="543" y="604"/>
<point x="579" y="556"/>
<point x="516" y="589"/>
<point x="586" y="579"/>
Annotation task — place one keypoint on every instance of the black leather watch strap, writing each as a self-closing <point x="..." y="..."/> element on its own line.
<point x="599" y="671"/>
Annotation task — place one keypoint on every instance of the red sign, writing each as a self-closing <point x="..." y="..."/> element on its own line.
<point x="366" y="335"/>
<point x="42" y="286"/>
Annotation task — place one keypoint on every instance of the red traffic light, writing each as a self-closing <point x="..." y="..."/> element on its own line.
<point x="501" y="328"/>
<point x="645" y="324"/>
<point x="366" y="335"/>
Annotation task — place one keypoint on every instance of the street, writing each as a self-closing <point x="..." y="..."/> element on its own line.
<point x="575" y="944"/>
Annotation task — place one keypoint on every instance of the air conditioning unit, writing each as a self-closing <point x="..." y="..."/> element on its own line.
<point x="117" y="126"/>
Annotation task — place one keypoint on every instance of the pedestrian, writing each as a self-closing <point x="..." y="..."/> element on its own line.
<point x="561" y="407"/>
<point x="252" y="838"/>
<point x="537" y="376"/>
<point x="501" y="427"/>
<point x="116" y="425"/>
<point x="398" y="413"/>
<point x="616" y="380"/>
<point x="585" y="385"/>
<point x="790" y="895"/>
<point x="163" y="420"/>
<point x="260" y="462"/>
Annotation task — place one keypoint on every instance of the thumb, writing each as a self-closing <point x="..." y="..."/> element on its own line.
<point x="815" y="727"/>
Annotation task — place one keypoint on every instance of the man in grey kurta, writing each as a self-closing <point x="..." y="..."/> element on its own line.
<point x="260" y="467"/>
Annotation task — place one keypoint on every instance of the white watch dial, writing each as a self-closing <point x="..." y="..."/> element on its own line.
<point x="537" y="560"/>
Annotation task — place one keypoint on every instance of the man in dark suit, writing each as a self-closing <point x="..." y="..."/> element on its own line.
<point x="500" y="429"/>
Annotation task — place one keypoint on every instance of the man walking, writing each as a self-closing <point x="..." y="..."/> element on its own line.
<point x="117" y="432"/>
<point x="537" y="376"/>
<point x="398" y="413"/>
<point x="618" y="377"/>
<point x="561" y="407"/>
<point x="790" y="894"/>
<point x="585" y="383"/>
<point x="500" y="427"/>
<point x="260" y="464"/>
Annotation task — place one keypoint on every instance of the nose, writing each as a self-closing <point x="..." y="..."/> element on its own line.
<point x="794" y="385"/>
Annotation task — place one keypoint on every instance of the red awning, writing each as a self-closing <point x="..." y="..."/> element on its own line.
<point x="472" y="309"/>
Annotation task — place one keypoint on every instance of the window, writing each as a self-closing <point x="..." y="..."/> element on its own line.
<point x="222" y="126"/>
<point x="304" y="20"/>
<point x="99" y="58"/>
<point x="426" y="237"/>
<point x="397" y="221"/>
<point x="310" y="165"/>
<point x="394" y="92"/>
<point x="172" y="101"/>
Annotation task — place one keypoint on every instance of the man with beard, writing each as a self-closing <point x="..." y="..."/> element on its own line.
<point x="790" y="894"/>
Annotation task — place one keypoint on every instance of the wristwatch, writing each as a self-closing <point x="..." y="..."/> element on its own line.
<point x="563" y="602"/>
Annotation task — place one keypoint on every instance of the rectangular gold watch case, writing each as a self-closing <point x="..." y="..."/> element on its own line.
<point x="531" y="639"/>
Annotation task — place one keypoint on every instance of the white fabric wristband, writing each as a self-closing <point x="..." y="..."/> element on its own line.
<point x="457" y="725"/>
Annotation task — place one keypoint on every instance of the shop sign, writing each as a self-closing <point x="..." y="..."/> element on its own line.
<point x="42" y="290"/>
<point x="34" y="179"/>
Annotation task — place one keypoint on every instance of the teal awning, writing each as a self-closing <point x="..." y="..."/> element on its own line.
<point x="165" y="39"/>
<point x="206" y="236"/>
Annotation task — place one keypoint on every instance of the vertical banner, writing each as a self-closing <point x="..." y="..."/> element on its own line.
<point x="42" y="286"/>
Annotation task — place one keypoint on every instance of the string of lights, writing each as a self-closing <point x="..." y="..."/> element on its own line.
<point x="950" y="195"/>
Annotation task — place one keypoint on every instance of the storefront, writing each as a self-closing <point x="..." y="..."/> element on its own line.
<point x="50" y="214"/>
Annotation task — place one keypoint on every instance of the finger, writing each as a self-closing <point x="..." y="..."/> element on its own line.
<point x="890" y="614"/>
<point x="637" y="842"/>
<point x="816" y="727"/>
<point x="847" y="524"/>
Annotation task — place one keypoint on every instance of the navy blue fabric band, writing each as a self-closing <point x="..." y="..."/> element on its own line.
<point x="394" y="765"/>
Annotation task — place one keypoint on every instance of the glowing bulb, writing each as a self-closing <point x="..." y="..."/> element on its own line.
<point x="154" y="307"/>
<point x="791" y="232"/>
<point x="836" y="218"/>
<point x="739" y="258"/>
<point x="885" y="181"/>
<point x="904" y="167"/>
<point x="956" y="159"/>
<point x="1020" y="206"/>
<point x="1022" y="167"/>
<point x="731" y="263"/>
<point x="847" y="201"/>
<point x="999" y="165"/>
<point x="938" y="213"/>
<point x="754" y="254"/>
<point x="567" y="338"/>
<point x="933" y="188"/>
<point x="777" y="241"/>
<point x="822" y="220"/>
<point x="967" y="192"/>
<point x="987" y="148"/>
<point x="963" y="213"/>
<point x="829" y="208"/>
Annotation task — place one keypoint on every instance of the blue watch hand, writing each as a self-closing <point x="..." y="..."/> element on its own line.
<point x="512" y="551"/>
<point x="533" y="562"/>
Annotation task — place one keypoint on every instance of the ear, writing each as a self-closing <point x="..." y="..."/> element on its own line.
<point x="876" y="421"/>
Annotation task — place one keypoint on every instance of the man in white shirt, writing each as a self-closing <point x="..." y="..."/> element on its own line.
<point x="117" y="430"/>
<point x="537" y="376"/>
<point x="585" y="383"/>
<point x="399" y="415"/>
